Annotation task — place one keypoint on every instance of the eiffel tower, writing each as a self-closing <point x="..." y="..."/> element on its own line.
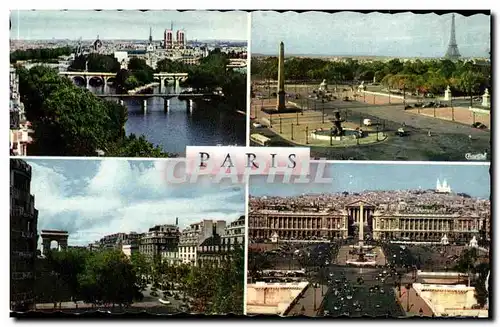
<point x="452" y="52"/>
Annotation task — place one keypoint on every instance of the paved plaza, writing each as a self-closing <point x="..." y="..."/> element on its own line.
<point x="428" y="138"/>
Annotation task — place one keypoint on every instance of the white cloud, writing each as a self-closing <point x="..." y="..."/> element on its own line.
<point x="121" y="196"/>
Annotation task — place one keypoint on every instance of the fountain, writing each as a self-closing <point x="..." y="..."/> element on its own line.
<point x="337" y="132"/>
<point x="361" y="260"/>
<point x="337" y="129"/>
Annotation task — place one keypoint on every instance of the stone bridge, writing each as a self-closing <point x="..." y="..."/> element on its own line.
<point x="107" y="78"/>
<point x="163" y="78"/>
<point x="86" y="77"/>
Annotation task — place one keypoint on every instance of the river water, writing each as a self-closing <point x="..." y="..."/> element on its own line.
<point x="174" y="130"/>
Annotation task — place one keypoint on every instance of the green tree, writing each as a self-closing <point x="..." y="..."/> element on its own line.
<point x="228" y="297"/>
<point x="137" y="64"/>
<point x="40" y="55"/>
<point x="200" y="285"/>
<point x="96" y="63"/>
<point x="257" y="262"/>
<point x="470" y="82"/>
<point x="67" y="265"/>
<point x="68" y="120"/>
<point x="133" y="146"/>
<point x="109" y="278"/>
<point x="481" y="293"/>
<point x="131" y="82"/>
<point x="145" y="76"/>
<point x="467" y="260"/>
<point x="140" y="265"/>
<point x="170" y="66"/>
<point x="74" y="123"/>
<point x="35" y="86"/>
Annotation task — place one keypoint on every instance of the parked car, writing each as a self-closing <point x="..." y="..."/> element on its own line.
<point x="401" y="132"/>
<point x="367" y="122"/>
<point x="479" y="125"/>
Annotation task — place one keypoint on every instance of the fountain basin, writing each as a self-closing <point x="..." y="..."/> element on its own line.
<point x="325" y="135"/>
<point x="361" y="263"/>
<point x="367" y="247"/>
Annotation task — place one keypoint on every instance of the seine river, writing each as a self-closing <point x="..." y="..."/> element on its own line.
<point x="178" y="128"/>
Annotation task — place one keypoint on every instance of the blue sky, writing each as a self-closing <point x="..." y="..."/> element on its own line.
<point x="128" y="24"/>
<point x="357" y="177"/>
<point x="373" y="34"/>
<point x="94" y="198"/>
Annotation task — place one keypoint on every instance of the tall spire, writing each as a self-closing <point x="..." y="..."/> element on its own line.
<point x="452" y="52"/>
<point x="150" y="34"/>
<point x="171" y="25"/>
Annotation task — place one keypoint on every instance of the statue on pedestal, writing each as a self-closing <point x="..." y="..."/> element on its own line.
<point x="486" y="99"/>
<point x="447" y="94"/>
<point x="323" y="87"/>
<point x="444" y="240"/>
<point x="473" y="242"/>
<point x="362" y="87"/>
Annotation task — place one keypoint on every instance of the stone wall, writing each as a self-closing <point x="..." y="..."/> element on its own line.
<point x="446" y="299"/>
<point x="266" y="298"/>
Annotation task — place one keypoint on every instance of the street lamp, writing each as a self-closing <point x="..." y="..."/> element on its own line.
<point x="408" y="287"/>
<point x="452" y="109"/>
<point x="404" y="96"/>
<point x="314" y="287"/>
<point x="323" y="109"/>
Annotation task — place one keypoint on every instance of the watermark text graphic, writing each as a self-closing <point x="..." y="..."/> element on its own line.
<point x="236" y="164"/>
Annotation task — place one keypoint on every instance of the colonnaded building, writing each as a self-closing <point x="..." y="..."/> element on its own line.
<point x="410" y="215"/>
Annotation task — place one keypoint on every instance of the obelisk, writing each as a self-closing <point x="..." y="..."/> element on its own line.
<point x="281" y="78"/>
<point x="361" y="227"/>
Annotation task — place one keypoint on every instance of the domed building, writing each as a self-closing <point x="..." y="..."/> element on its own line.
<point x="97" y="45"/>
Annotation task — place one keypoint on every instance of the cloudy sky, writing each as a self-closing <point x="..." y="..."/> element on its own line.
<point x="373" y="34"/>
<point x="94" y="198"/>
<point x="357" y="177"/>
<point x="128" y="24"/>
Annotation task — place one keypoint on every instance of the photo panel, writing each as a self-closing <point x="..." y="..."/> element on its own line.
<point x="373" y="85"/>
<point x="126" y="83"/>
<point x="114" y="236"/>
<point x="352" y="242"/>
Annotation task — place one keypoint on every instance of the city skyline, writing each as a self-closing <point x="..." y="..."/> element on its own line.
<point x="94" y="198"/>
<point x="116" y="25"/>
<point x="374" y="34"/>
<point x="358" y="177"/>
